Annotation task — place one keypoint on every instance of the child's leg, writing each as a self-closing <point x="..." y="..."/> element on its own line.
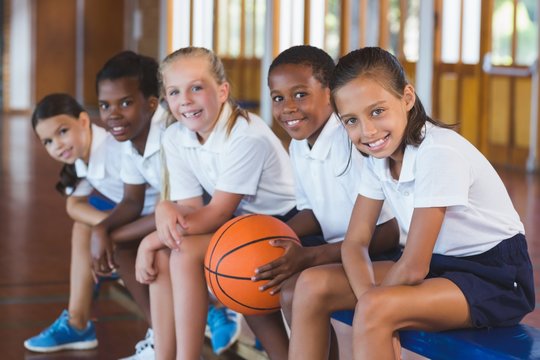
<point x="319" y="292"/>
<point x="161" y="306"/>
<point x="125" y="255"/>
<point x="190" y="294"/>
<point x="344" y="336"/>
<point x="81" y="280"/>
<point x="436" y="304"/>
<point x="271" y="332"/>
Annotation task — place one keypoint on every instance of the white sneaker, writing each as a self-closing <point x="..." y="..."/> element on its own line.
<point x="144" y="349"/>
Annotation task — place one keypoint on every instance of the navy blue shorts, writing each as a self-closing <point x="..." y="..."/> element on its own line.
<point x="498" y="284"/>
<point x="101" y="202"/>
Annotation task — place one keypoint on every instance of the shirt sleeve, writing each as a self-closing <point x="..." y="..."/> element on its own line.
<point x="370" y="184"/>
<point x="129" y="173"/>
<point x="183" y="183"/>
<point x="442" y="177"/>
<point x="302" y="201"/>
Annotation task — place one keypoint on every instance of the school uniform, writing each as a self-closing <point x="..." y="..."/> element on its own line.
<point x="481" y="246"/>
<point x="326" y="179"/>
<point x="103" y="170"/>
<point x="146" y="168"/>
<point x="250" y="160"/>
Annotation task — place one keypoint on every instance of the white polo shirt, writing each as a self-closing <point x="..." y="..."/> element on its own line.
<point x="447" y="171"/>
<point x="103" y="170"/>
<point x="146" y="168"/>
<point x="250" y="161"/>
<point x="327" y="178"/>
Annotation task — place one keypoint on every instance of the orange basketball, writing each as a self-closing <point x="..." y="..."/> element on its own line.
<point x="235" y="251"/>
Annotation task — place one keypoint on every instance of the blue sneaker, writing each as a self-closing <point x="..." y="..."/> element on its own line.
<point x="62" y="336"/>
<point x="224" y="328"/>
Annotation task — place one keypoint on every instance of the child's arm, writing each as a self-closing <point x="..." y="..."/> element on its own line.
<point x="187" y="217"/>
<point x="297" y="258"/>
<point x="80" y="210"/>
<point x="134" y="230"/>
<point x="354" y="251"/>
<point x="126" y="211"/>
<point x="413" y="266"/>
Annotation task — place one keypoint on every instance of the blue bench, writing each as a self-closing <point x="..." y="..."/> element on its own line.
<point x="515" y="342"/>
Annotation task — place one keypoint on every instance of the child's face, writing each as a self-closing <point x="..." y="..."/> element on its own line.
<point x="65" y="138"/>
<point x="375" y="119"/>
<point x="193" y="95"/>
<point x="124" y="110"/>
<point x="300" y="104"/>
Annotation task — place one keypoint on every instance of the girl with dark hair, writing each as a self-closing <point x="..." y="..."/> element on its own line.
<point x="326" y="172"/>
<point x="465" y="261"/>
<point x="91" y="160"/>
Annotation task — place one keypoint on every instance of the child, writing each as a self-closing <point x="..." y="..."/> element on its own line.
<point x="465" y="262"/>
<point x="326" y="171"/>
<point x="128" y="95"/>
<point x="92" y="158"/>
<point x="241" y="164"/>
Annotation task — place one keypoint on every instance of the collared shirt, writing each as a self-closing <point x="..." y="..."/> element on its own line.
<point x="250" y="161"/>
<point x="146" y="168"/>
<point x="327" y="178"/>
<point x="102" y="172"/>
<point x="445" y="170"/>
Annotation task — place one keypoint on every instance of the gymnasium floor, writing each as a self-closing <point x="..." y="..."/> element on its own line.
<point x="34" y="251"/>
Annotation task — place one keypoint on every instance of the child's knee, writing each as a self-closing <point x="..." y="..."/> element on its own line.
<point x="371" y="311"/>
<point x="313" y="285"/>
<point x="161" y="260"/>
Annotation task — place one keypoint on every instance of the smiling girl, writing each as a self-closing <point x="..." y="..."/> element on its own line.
<point x="465" y="261"/>
<point x="232" y="155"/>
<point x="91" y="160"/>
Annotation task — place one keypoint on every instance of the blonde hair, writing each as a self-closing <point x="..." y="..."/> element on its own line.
<point x="216" y="69"/>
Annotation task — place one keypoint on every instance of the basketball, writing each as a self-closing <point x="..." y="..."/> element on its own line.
<point x="235" y="251"/>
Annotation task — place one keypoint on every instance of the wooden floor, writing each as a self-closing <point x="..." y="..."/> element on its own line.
<point x="34" y="251"/>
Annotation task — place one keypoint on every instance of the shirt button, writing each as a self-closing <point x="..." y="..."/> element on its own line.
<point x="406" y="193"/>
<point x="515" y="285"/>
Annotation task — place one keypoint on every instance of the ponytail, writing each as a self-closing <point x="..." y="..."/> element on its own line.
<point x="68" y="180"/>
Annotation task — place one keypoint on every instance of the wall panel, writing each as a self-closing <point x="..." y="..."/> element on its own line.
<point x="55" y="47"/>
<point x="499" y="111"/>
<point x="103" y="37"/>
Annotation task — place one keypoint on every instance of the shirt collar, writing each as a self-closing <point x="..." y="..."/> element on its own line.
<point x="153" y="140"/>
<point x="323" y="144"/>
<point x="217" y="137"/>
<point x="408" y="165"/>
<point x="96" y="162"/>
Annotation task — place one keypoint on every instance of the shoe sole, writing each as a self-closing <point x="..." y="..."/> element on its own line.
<point x="81" y="345"/>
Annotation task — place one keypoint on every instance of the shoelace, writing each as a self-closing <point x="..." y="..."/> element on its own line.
<point x="54" y="326"/>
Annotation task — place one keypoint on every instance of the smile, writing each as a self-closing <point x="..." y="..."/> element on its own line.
<point x="292" y="123"/>
<point x="377" y="144"/>
<point x="191" y="114"/>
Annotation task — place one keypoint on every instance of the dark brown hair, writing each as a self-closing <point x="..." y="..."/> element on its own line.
<point x="53" y="105"/>
<point x="381" y="66"/>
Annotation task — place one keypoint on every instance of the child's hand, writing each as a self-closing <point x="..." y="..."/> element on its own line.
<point x="102" y="251"/>
<point x="292" y="261"/>
<point x="170" y="224"/>
<point x="145" y="272"/>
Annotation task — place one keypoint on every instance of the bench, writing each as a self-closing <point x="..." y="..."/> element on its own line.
<point x="515" y="342"/>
